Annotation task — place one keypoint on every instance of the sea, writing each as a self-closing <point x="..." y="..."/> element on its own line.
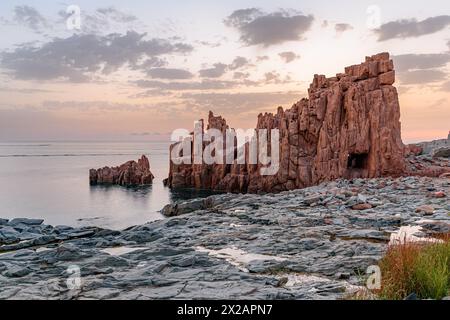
<point x="50" y="180"/>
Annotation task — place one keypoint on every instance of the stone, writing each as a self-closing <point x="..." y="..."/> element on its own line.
<point x="17" y="272"/>
<point x="25" y="221"/>
<point x="131" y="173"/>
<point x="425" y="209"/>
<point x="142" y="236"/>
<point x="111" y="261"/>
<point x="439" y="194"/>
<point x="67" y="252"/>
<point x="171" y="210"/>
<point x="343" y="275"/>
<point x="442" y="152"/>
<point x="312" y="199"/>
<point x="412" y="296"/>
<point x="362" y="198"/>
<point x="9" y="235"/>
<point x="43" y="239"/>
<point x="362" y="206"/>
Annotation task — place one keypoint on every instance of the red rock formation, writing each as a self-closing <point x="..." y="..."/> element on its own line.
<point x="349" y="127"/>
<point x="413" y="149"/>
<point x="131" y="173"/>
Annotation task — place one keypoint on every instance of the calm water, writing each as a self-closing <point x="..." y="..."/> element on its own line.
<point x="51" y="181"/>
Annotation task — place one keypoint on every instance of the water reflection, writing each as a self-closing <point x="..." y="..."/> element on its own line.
<point x="180" y="194"/>
<point x="136" y="192"/>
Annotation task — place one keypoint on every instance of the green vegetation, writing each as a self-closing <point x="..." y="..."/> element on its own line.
<point x="420" y="268"/>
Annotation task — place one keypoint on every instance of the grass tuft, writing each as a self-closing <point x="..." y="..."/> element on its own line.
<point x="420" y="268"/>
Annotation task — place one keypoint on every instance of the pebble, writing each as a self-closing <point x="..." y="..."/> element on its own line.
<point x="439" y="194"/>
<point x="425" y="210"/>
<point x="362" y="206"/>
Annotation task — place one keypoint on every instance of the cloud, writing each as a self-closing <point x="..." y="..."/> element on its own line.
<point x="205" y="84"/>
<point x="209" y="44"/>
<point x="266" y="29"/>
<point x="105" y="108"/>
<point x="30" y="17"/>
<point x="288" y="56"/>
<point x="103" y="20"/>
<point x="181" y="86"/>
<point x="446" y="86"/>
<point x="24" y="90"/>
<point x="169" y="73"/>
<point x="422" y="76"/>
<point x="239" y="102"/>
<point x="271" y="76"/>
<point x="4" y="21"/>
<point x="238" y="63"/>
<point x="218" y="70"/>
<point x="145" y="134"/>
<point x="342" y="27"/>
<point x="149" y="63"/>
<point x="80" y="58"/>
<point x="421" y="68"/>
<point x="407" y="62"/>
<point x="241" y="75"/>
<point x="275" y="77"/>
<point x="150" y="93"/>
<point x="117" y="15"/>
<point x="261" y="58"/>
<point x="438" y="103"/>
<point x="409" y="28"/>
<point x="102" y="105"/>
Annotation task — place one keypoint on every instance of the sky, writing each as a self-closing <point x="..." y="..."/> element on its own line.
<point x="137" y="70"/>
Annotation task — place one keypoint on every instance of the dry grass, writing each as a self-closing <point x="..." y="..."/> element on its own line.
<point x="420" y="268"/>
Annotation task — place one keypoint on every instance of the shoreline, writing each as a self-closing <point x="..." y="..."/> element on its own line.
<point x="311" y="243"/>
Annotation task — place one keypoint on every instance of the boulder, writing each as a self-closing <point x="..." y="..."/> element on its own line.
<point x="180" y="208"/>
<point x="442" y="152"/>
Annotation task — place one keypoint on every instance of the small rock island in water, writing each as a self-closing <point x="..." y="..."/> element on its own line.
<point x="131" y="173"/>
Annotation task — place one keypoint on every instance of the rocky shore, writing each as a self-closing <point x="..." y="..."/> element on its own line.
<point x="312" y="243"/>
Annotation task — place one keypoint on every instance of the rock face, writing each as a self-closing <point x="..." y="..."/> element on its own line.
<point x="131" y="173"/>
<point x="348" y="127"/>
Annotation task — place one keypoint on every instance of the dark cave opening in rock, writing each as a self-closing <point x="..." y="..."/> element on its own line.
<point x="357" y="161"/>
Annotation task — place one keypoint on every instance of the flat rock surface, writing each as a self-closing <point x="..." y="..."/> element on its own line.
<point x="302" y="244"/>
